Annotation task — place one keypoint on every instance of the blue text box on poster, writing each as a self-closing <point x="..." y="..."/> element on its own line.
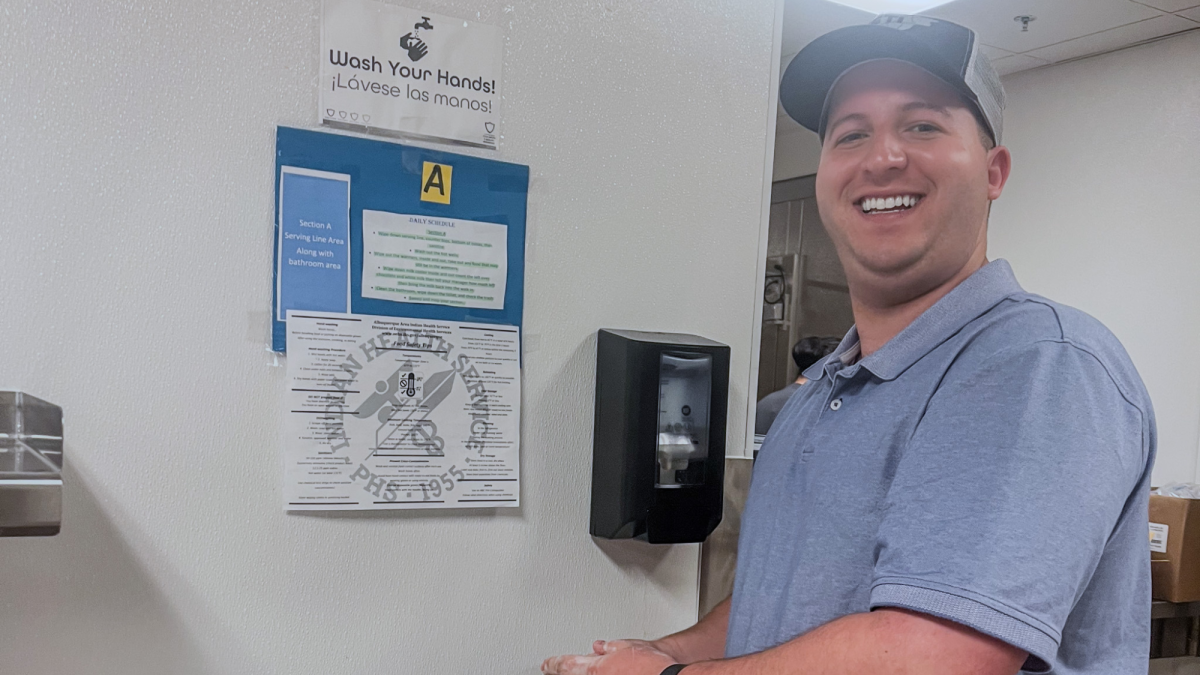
<point x="313" y="255"/>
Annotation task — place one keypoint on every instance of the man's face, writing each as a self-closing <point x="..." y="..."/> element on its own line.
<point x="904" y="181"/>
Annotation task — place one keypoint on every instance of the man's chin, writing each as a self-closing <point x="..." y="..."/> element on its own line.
<point x="886" y="265"/>
<point x="895" y="279"/>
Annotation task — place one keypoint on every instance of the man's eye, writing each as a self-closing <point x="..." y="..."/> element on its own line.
<point x="852" y="136"/>
<point x="924" y="128"/>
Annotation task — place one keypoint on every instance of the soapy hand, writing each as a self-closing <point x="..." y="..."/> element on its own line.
<point x="619" y="657"/>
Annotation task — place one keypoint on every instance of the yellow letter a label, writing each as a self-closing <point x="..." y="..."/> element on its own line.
<point x="435" y="183"/>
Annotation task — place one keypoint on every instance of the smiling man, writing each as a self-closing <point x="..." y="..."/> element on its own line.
<point x="962" y="486"/>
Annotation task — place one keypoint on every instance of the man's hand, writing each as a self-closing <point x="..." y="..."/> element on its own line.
<point x="619" y="657"/>
<point x="701" y="642"/>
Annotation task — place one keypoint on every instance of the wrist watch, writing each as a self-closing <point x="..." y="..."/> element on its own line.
<point x="673" y="670"/>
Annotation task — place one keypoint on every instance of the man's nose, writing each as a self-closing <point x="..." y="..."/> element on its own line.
<point x="886" y="154"/>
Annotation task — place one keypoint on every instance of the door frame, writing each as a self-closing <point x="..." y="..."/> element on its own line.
<point x="764" y="224"/>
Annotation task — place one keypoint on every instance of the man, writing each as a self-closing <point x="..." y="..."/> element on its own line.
<point x="962" y="486"/>
<point x="805" y="352"/>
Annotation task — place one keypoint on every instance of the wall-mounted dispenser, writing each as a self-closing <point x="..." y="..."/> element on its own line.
<point x="31" y="460"/>
<point x="658" y="455"/>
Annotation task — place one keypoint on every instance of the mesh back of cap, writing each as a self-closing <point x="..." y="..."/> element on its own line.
<point x="982" y="79"/>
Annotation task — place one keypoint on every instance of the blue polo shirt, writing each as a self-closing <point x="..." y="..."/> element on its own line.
<point x="989" y="465"/>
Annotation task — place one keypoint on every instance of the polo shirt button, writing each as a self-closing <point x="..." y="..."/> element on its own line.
<point x="837" y="403"/>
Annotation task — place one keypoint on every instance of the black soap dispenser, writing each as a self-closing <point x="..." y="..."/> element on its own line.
<point x="658" y="455"/>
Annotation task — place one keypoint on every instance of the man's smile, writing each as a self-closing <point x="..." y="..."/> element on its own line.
<point x="892" y="203"/>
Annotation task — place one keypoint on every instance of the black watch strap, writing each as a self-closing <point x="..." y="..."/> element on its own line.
<point x="674" y="670"/>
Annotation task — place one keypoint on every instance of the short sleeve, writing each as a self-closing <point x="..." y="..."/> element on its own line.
<point x="1003" y="501"/>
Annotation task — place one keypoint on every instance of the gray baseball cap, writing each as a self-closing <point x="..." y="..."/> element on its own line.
<point x="946" y="50"/>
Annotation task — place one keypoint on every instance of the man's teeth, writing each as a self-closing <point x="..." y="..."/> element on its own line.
<point x="889" y="203"/>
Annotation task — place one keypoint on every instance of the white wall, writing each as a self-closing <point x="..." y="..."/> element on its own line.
<point x="136" y="157"/>
<point x="1101" y="213"/>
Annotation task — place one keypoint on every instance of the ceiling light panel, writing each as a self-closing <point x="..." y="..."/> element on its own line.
<point x="892" y="6"/>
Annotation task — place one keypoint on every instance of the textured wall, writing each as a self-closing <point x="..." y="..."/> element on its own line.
<point x="1100" y="213"/>
<point x="136" y="143"/>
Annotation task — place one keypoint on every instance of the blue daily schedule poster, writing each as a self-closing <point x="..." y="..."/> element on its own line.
<point x="313" y="247"/>
<point x="391" y="180"/>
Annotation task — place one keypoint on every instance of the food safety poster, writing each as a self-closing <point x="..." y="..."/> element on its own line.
<point x="397" y="71"/>
<point x="394" y="413"/>
<point x="399" y="283"/>
<point x="375" y="227"/>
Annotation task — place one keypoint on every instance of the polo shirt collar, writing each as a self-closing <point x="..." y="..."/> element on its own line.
<point x="967" y="301"/>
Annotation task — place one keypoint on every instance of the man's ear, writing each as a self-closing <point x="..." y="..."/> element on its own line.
<point x="999" y="166"/>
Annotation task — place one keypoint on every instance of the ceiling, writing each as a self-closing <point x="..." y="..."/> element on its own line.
<point x="1063" y="30"/>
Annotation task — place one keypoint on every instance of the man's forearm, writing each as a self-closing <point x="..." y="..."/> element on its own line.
<point x="702" y="642"/>
<point x="886" y="642"/>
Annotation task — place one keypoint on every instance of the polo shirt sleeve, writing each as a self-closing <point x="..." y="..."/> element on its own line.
<point x="1007" y="493"/>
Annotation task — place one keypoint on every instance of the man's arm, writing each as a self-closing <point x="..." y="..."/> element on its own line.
<point x="704" y="641"/>
<point x="883" y="642"/>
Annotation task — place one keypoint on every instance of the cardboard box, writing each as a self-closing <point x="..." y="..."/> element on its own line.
<point x="1175" y="548"/>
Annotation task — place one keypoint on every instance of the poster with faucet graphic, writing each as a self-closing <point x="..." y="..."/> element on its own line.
<point x="396" y="71"/>
<point x="399" y="413"/>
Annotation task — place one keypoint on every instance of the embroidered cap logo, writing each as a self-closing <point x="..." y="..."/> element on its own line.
<point x="903" y="22"/>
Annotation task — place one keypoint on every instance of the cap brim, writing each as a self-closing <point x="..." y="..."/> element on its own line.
<point x="813" y="72"/>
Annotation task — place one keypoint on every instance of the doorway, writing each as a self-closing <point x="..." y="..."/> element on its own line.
<point x="804" y="287"/>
